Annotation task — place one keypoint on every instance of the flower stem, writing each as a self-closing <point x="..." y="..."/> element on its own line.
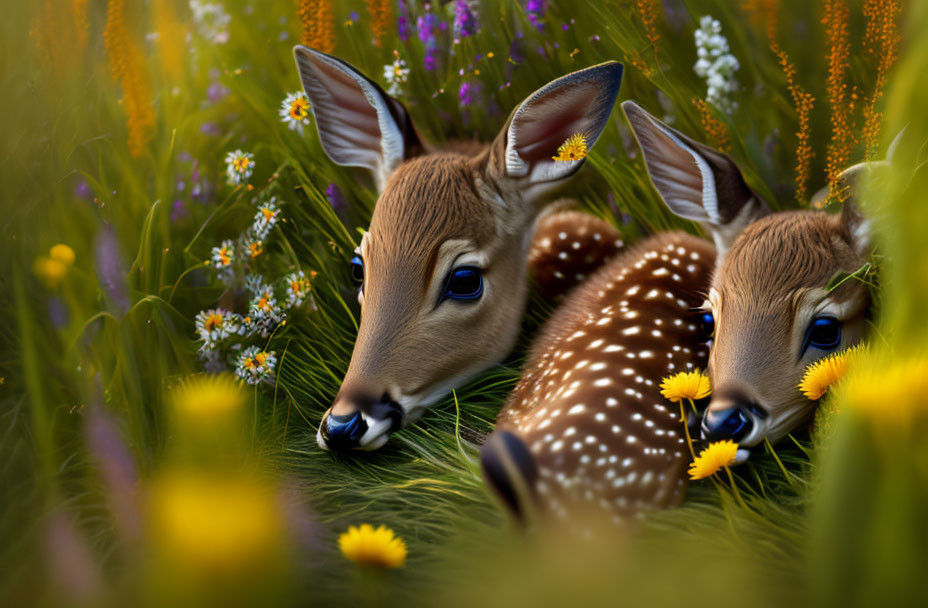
<point x="686" y="428"/>
<point x="734" y="488"/>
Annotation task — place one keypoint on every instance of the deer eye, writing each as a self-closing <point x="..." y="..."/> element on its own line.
<point x="707" y="323"/>
<point x="357" y="269"/>
<point x="464" y="283"/>
<point x="824" y="333"/>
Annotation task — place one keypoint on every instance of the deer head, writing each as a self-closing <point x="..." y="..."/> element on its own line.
<point x="441" y="270"/>
<point x="769" y="309"/>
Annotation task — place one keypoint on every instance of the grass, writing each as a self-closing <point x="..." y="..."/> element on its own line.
<point x="117" y="332"/>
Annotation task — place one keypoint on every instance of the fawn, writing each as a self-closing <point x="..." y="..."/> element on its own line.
<point x="587" y="424"/>
<point x="441" y="270"/>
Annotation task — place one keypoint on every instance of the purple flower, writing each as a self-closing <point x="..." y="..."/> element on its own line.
<point x="403" y="27"/>
<point x="515" y="51"/>
<point x="110" y="270"/>
<point x="535" y="12"/>
<point x="337" y="200"/>
<point x="82" y="190"/>
<point x="57" y="313"/>
<point x="179" y="211"/>
<point x="217" y="92"/>
<point x="465" y="21"/>
<point x="468" y="93"/>
<point x="429" y="26"/>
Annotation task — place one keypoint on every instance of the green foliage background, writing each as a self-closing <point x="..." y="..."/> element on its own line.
<point x="127" y="336"/>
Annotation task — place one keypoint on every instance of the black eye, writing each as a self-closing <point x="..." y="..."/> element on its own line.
<point x="707" y="323"/>
<point x="824" y="333"/>
<point x="357" y="269"/>
<point x="464" y="283"/>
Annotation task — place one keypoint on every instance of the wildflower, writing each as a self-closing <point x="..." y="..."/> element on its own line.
<point x="403" y="27"/>
<point x="212" y="359"/>
<point x="891" y="392"/>
<point x="224" y="255"/>
<point x="369" y="547"/>
<point x="468" y="93"/>
<point x="216" y="325"/>
<point x="713" y="458"/>
<point x="211" y="524"/>
<point x="255" y="365"/>
<point x="50" y="271"/>
<point x="685" y="385"/>
<point x="318" y="19"/>
<point x="206" y="396"/>
<point x="294" y="110"/>
<point x="381" y="15"/>
<point x="297" y="288"/>
<point x="266" y="218"/>
<point x="211" y="20"/>
<point x="716" y="64"/>
<point x="252" y="244"/>
<point x="396" y="74"/>
<point x="535" y="13"/>
<point x="62" y="253"/>
<point x="825" y="372"/>
<point x="572" y="149"/>
<point x="429" y="27"/>
<point x="336" y="199"/>
<point x="465" y="21"/>
<point x="239" y="166"/>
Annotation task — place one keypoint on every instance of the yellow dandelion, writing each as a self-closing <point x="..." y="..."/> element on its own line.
<point x="208" y="395"/>
<point x="572" y="149"/>
<point x="713" y="458"/>
<point x="213" y="524"/>
<point x="686" y="385"/>
<point x="891" y="393"/>
<point x="825" y="372"/>
<point x="62" y="253"/>
<point x="369" y="547"/>
<point x="50" y="271"/>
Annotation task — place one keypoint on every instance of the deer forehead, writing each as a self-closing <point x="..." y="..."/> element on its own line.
<point x="784" y="254"/>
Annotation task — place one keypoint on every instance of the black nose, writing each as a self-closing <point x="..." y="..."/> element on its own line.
<point x="343" y="432"/>
<point x="733" y="423"/>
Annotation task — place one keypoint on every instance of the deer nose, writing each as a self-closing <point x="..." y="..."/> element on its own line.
<point x="343" y="432"/>
<point x="733" y="423"/>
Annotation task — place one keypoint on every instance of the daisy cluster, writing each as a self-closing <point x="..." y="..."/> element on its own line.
<point x="716" y="64"/>
<point x="227" y="336"/>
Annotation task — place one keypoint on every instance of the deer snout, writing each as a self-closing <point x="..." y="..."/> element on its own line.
<point x="359" y="422"/>
<point x="731" y="415"/>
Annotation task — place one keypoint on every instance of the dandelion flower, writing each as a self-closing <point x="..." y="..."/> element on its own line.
<point x="294" y="110"/>
<point x="62" y="253"/>
<point x="686" y="385"/>
<point x="215" y="325"/>
<point x="239" y="166"/>
<point x="369" y="547"/>
<point x="825" y="372"/>
<point x="50" y="271"/>
<point x="206" y="396"/>
<point x="713" y="458"/>
<point x="211" y="524"/>
<point x="266" y="218"/>
<point x="224" y="255"/>
<point x="255" y="365"/>
<point x="572" y="149"/>
<point x="890" y="391"/>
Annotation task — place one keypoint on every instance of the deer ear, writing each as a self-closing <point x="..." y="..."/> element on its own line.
<point x="578" y="103"/>
<point x="359" y="125"/>
<point x="696" y="182"/>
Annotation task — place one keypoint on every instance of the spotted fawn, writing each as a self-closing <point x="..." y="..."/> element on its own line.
<point x="587" y="427"/>
<point x="441" y="271"/>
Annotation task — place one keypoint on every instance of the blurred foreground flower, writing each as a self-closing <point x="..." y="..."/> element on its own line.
<point x="825" y="372"/>
<point x="713" y="458"/>
<point x="572" y="149"/>
<point x="255" y="365"/>
<point x="239" y="166"/>
<point x="686" y="385"/>
<point x="369" y="547"/>
<point x="294" y="110"/>
<point x="211" y="20"/>
<point x="52" y="269"/>
<point x="208" y="396"/>
<point x="213" y="525"/>
<point x="891" y="393"/>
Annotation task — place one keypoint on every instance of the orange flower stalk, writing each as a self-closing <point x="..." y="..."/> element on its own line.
<point x="842" y="102"/>
<point x="764" y="15"/>
<point x="127" y="65"/>
<point x="714" y="128"/>
<point x="647" y="11"/>
<point x="318" y="19"/>
<point x="882" y="42"/>
<point x="803" y="101"/>
<point x="381" y="18"/>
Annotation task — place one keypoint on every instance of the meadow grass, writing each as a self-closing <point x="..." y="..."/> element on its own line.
<point x="117" y="332"/>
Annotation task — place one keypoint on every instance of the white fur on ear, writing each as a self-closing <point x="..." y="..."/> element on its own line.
<point x="352" y="115"/>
